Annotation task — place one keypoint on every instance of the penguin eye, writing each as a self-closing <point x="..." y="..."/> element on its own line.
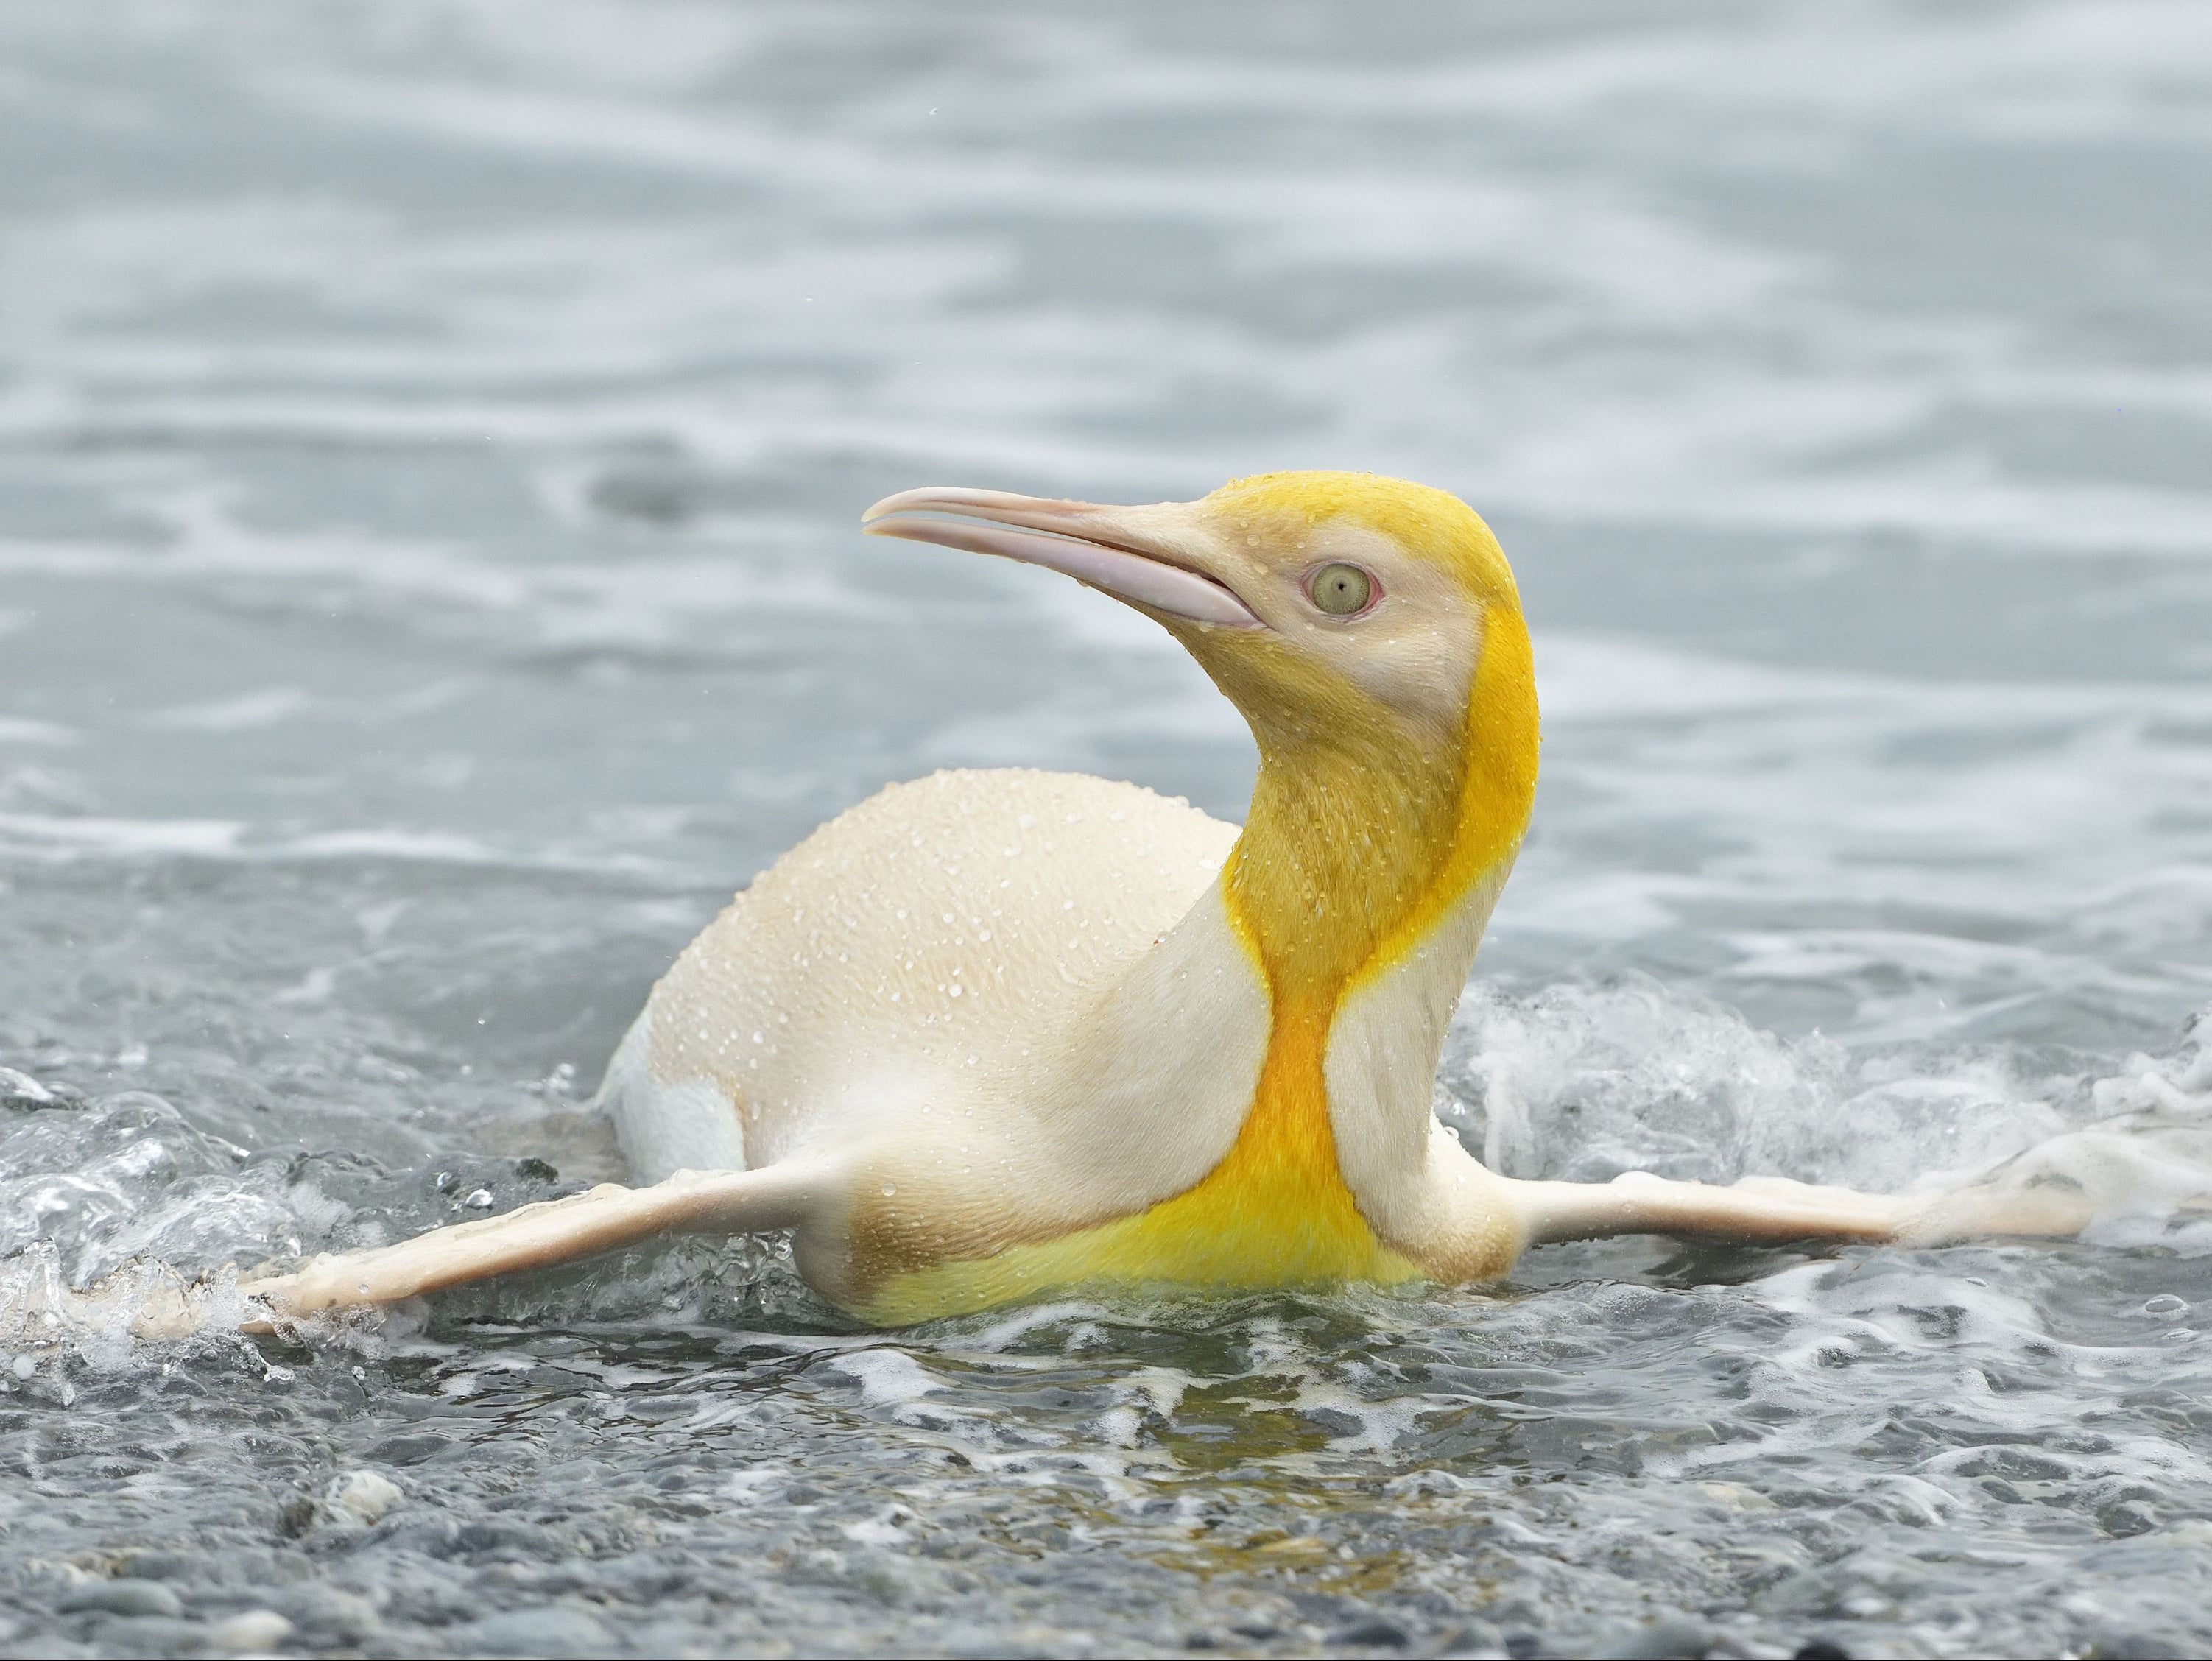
<point x="1341" y="591"/>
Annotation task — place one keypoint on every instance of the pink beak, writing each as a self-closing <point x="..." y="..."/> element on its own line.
<point x="1106" y="548"/>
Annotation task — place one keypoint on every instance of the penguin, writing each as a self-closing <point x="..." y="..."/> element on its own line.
<point x="992" y="1034"/>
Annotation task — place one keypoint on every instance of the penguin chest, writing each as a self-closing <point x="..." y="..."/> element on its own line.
<point x="1274" y="1212"/>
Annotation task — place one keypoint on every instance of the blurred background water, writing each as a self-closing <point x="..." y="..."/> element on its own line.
<point x="431" y="439"/>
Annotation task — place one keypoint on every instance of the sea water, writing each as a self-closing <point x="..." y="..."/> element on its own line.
<point x="431" y="441"/>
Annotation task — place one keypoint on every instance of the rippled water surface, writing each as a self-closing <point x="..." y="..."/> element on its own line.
<point x="431" y="436"/>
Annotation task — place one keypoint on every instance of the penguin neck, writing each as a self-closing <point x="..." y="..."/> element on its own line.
<point x="1340" y="848"/>
<point x="1357" y="847"/>
<point x="1356" y="853"/>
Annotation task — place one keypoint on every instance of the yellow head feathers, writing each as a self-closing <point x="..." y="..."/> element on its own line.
<point x="1430" y="524"/>
<point x="1394" y="676"/>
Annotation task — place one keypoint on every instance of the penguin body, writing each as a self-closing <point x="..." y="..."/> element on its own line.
<point x="970" y="989"/>
<point x="995" y="1032"/>
<point x="940" y="942"/>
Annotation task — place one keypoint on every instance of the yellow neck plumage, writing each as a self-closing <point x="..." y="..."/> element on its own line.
<point x="1350" y="859"/>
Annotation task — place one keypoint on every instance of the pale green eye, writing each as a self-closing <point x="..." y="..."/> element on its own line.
<point x="1341" y="590"/>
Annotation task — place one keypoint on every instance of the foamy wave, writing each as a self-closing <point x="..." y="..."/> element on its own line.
<point x="1586" y="1082"/>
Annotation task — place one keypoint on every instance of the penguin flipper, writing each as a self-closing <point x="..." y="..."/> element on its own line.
<point x="602" y="1219"/>
<point x="1756" y="1209"/>
<point x="2143" y="1163"/>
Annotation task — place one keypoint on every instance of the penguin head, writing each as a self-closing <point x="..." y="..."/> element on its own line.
<point x="1333" y="608"/>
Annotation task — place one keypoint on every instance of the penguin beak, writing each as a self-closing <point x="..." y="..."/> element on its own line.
<point x="1132" y="553"/>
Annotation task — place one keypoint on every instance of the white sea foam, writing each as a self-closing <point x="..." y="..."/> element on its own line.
<point x="887" y="1377"/>
<point x="50" y="835"/>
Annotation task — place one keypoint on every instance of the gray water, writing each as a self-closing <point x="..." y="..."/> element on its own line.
<point x="431" y="438"/>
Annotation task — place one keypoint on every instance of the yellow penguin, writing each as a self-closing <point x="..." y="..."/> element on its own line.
<point x="993" y="1032"/>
